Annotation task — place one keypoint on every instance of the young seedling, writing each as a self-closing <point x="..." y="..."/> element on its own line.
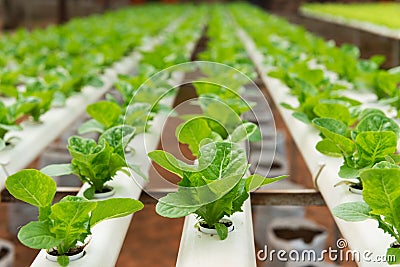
<point x="370" y="141"/>
<point x="214" y="188"/>
<point x="94" y="163"/>
<point x="199" y="130"/>
<point x="381" y="193"/>
<point x="62" y="225"/>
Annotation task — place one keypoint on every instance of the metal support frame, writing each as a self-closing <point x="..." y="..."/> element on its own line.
<point x="281" y="197"/>
<point x="62" y="11"/>
<point x="276" y="197"/>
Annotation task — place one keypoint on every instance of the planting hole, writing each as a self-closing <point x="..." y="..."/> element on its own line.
<point x="301" y="233"/>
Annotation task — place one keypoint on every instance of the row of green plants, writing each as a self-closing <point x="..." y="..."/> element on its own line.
<point x="384" y="14"/>
<point x="290" y="51"/>
<point x="365" y="138"/>
<point x="41" y="69"/>
<point x="147" y="85"/>
<point x="223" y="46"/>
<point x="119" y="118"/>
<point x="62" y="226"/>
<point x="217" y="184"/>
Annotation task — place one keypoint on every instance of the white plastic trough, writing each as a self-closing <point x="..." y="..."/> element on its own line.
<point x="364" y="236"/>
<point x="198" y="249"/>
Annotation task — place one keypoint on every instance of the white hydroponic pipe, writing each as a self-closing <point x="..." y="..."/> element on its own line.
<point x="198" y="249"/>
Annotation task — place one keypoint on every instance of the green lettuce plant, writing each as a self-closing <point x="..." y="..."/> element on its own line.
<point x="12" y="115"/>
<point x="118" y="137"/>
<point x="371" y="140"/>
<point x="108" y="114"/>
<point x="381" y="193"/>
<point x="64" y="224"/>
<point x="104" y="115"/>
<point x="318" y="98"/>
<point x="200" y="130"/>
<point x="216" y="187"/>
<point x="94" y="163"/>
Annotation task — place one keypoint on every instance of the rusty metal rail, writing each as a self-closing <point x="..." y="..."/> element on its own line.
<point x="276" y="197"/>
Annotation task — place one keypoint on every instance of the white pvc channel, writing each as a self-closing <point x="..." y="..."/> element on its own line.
<point x="361" y="236"/>
<point x="198" y="249"/>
